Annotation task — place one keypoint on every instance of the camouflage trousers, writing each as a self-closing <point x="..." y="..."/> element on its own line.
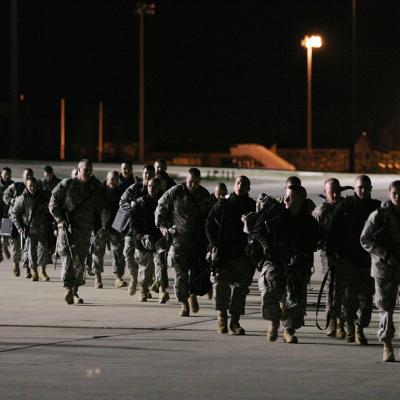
<point x="231" y="285"/>
<point x="37" y="250"/>
<point x="386" y="293"/>
<point x="151" y="263"/>
<point x="358" y="291"/>
<point x="129" y="254"/>
<point x="73" y="250"/>
<point x="117" y="251"/>
<point x="290" y="288"/>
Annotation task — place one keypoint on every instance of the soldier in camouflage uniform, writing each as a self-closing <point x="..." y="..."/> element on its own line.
<point x="381" y="238"/>
<point x="75" y="205"/>
<point x="352" y="262"/>
<point x="127" y="200"/>
<point x="30" y="215"/>
<point x="334" y="299"/>
<point x="126" y="177"/>
<point x="9" y="196"/>
<point x="49" y="181"/>
<point x="183" y="209"/>
<point x="147" y="234"/>
<point x="111" y="194"/>
<point x="232" y="276"/>
<point x="167" y="182"/>
<point x="5" y="182"/>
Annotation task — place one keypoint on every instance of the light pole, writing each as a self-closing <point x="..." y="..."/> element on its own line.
<point x="142" y="9"/>
<point x="310" y="42"/>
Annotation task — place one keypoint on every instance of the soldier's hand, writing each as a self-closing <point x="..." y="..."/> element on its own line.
<point x="20" y="231"/>
<point x="164" y="231"/>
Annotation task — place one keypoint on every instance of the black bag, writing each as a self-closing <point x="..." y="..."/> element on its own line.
<point x="121" y="221"/>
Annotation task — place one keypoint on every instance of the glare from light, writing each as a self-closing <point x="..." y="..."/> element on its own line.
<point x="312" y="41"/>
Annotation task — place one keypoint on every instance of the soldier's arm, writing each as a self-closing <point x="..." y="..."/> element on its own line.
<point x="213" y="224"/>
<point x="56" y="202"/>
<point x="17" y="213"/>
<point x="9" y="195"/>
<point x="164" y="209"/>
<point x="126" y="198"/>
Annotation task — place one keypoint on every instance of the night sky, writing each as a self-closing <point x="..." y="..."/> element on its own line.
<point x="217" y="72"/>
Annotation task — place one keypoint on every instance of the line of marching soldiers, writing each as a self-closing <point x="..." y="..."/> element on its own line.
<point x="214" y="243"/>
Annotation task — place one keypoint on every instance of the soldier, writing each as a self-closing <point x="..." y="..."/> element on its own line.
<point x="323" y="214"/>
<point x="126" y="177"/>
<point x="127" y="200"/>
<point x="9" y="196"/>
<point x="234" y="272"/>
<point x="111" y="194"/>
<point x="5" y="182"/>
<point x="288" y="242"/>
<point x="147" y="234"/>
<point x="220" y="191"/>
<point x="183" y="210"/>
<point x="296" y="181"/>
<point x="49" y="181"/>
<point x="352" y="262"/>
<point x="30" y="215"/>
<point x="167" y="182"/>
<point x="381" y="238"/>
<point x="75" y="204"/>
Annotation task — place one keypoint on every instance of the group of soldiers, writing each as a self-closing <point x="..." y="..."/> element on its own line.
<point x="214" y="243"/>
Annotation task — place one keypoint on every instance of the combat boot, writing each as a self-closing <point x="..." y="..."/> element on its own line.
<point x="43" y="275"/>
<point x="132" y="285"/>
<point x="222" y="322"/>
<point x="350" y="332"/>
<point x="77" y="299"/>
<point x="35" y="275"/>
<point x="98" y="284"/>
<point x="234" y="326"/>
<point x="163" y="296"/>
<point x="193" y="304"/>
<point x="331" y="331"/>
<point x="28" y="274"/>
<point x="16" y="269"/>
<point x="360" y="337"/>
<point x="288" y="336"/>
<point x="388" y="353"/>
<point x="184" y="311"/>
<point x="69" y="297"/>
<point x="119" y="282"/>
<point x="143" y="294"/>
<point x="340" y="332"/>
<point x="272" y="331"/>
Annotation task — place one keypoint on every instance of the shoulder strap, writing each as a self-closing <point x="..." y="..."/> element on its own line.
<point x="321" y="290"/>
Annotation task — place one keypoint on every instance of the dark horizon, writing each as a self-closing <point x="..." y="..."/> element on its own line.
<point x="215" y="72"/>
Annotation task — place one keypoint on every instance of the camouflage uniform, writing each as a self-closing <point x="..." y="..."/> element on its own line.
<point x="128" y="197"/>
<point x="31" y="213"/>
<point x="352" y="262"/>
<point x="187" y="212"/>
<point x="146" y="255"/>
<point x="78" y="202"/>
<point x="9" y="196"/>
<point x="4" y="241"/>
<point x="50" y="185"/>
<point x="234" y="274"/>
<point x="323" y="214"/>
<point x="111" y="199"/>
<point x="385" y="255"/>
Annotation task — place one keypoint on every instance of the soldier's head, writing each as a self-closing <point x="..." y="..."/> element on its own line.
<point x="112" y="180"/>
<point x="394" y="194"/>
<point x="154" y="188"/>
<point x="363" y="187"/>
<point x="74" y="172"/>
<point x="31" y="185"/>
<point x="220" y="190"/>
<point x="126" y="169"/>
<point x="160" y="166"/>
<point x="295" y="197"/>
<point x="193" y="179"/>
<point x="241" y="186"/>
<point x="85" y="170"/>
<point x="148" y="173"/>
<point x="332" y="190"/>
<point x="48" y="173"/>
<point x="28" y="173"/>
<point x="6" y="174"/>
<point x="292" y="181"/>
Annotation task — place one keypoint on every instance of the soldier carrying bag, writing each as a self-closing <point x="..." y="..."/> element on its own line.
<point x="121" y="221"/>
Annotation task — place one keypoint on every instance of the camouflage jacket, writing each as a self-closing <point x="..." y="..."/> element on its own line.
<point x="11" y="193"/>
<point x="131" y="194"/>
<point x="78" y="201"/>
<point x="187" y="211"/>
<point x="3" y="186"/>
<point x="50" y="185"/>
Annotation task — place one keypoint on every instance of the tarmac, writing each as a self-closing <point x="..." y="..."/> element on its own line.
<point x="113" y="346"/>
